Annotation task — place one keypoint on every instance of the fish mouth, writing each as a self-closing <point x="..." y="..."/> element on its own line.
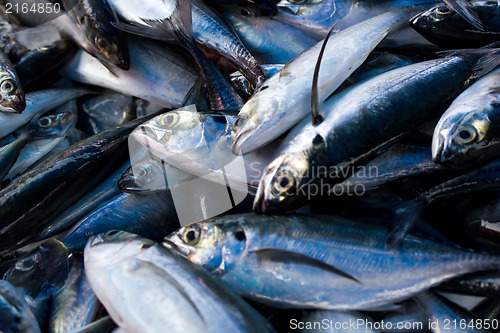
<point x="168" y="243"/>
<point x="15" y="104"/>
<point x="240" y="140"/>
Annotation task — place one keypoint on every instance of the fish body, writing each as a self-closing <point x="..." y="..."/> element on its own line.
<point x="41" y="66"/>
<point x="158" y="74"/>
<point x="15" y="313"/>
<point x="150" y="215"/>
<point x="270" y="41"/>
<point x="285" y="98"/>
<point x="384" y="107"/>
<point x="210" y="30"/>
<point x="187" y="297"/>
<point x="64" y="178"/>
<point x="49" y="131"/>
<point x="37" y="103"/>
<point x="278" y="260"/>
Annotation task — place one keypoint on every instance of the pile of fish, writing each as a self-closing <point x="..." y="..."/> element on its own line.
<point x="249" y="166"/>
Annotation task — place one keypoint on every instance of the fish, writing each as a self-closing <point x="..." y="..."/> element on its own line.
<point x="40" y="274"/>
<point x="310" y="159"/>
<point x="76" y="304"/>
<point x="171" y="21"/>
<point x="8" y="42"/>
<point x="244" y="87"/>
<point x="63" y="178"/>
<point x="270" y="41"/>
<point x="199" y="143"/>
<point x="190" y="296"/>
<point x="106" y="111"/>
<point x="15" y="313"/>
<point x="445" y="27"/>
<point x="151" y="215"/>
<point x="86" y="22"/>
<point x="465" y="134"/>
<point x="157" y="73"/>
<point x="477" y="284"/>
<point x="37" y="103"/>
<point x="12" y="94"/>
<point x="103" y="40"/>
<point x="93" y="200"/>
<point x="278" y="260"/>
<point x="49" y="131"/>
<point x="315" y="17"/>
<point x="261" y="120"/>
<point x="103" y="325"/>
<point x="210" y="30"/>
<point x="41" y="66"/>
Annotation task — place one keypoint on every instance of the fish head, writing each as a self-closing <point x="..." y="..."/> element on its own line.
<point x="172" y="133"/>
<point x="284" y="184"/>
<point x="110" y="48"/>
<point x="465" y="138"/>
<point x="213" y="245"/>
<point x="13" y="99"/>
<point x="113" y="246"/>
<point x="54" y="125"/>
<point x="245" y="135"/>
<point x="43" y="271"/>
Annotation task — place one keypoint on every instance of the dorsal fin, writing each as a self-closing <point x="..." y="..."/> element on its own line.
<point x="316" y="117"/>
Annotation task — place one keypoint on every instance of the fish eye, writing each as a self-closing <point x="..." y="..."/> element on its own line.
<point x="443" y="10"/>
<point x="169" y="119"/>
<point x="7" y="86"/>
<point x="191" y="236"/>
<point x="284" y="181"/>
<point x="239" y="122"/>
<point x="102" y="43"/>
<point x="44" y="122"/>
<point x="465" y="134"/>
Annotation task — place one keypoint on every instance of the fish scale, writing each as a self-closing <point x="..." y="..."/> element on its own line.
<point x="279" y="261"/>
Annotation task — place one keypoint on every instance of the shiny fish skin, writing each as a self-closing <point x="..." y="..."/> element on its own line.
<point x="270" y="111"/>
<point x="37" y="103"/>
<point x="468" y="132"/>
<point x="91" y="158"/>
<point x="229" y="248"/>
<point x="384" y="108"/>
<point x="158" y="74"/>
<point x="150" y="215"/>
<point x="75" y="305"/>
<point x="15" y="313"/>
<point x="187" y="297"/>
<point x="210" y="30"/>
